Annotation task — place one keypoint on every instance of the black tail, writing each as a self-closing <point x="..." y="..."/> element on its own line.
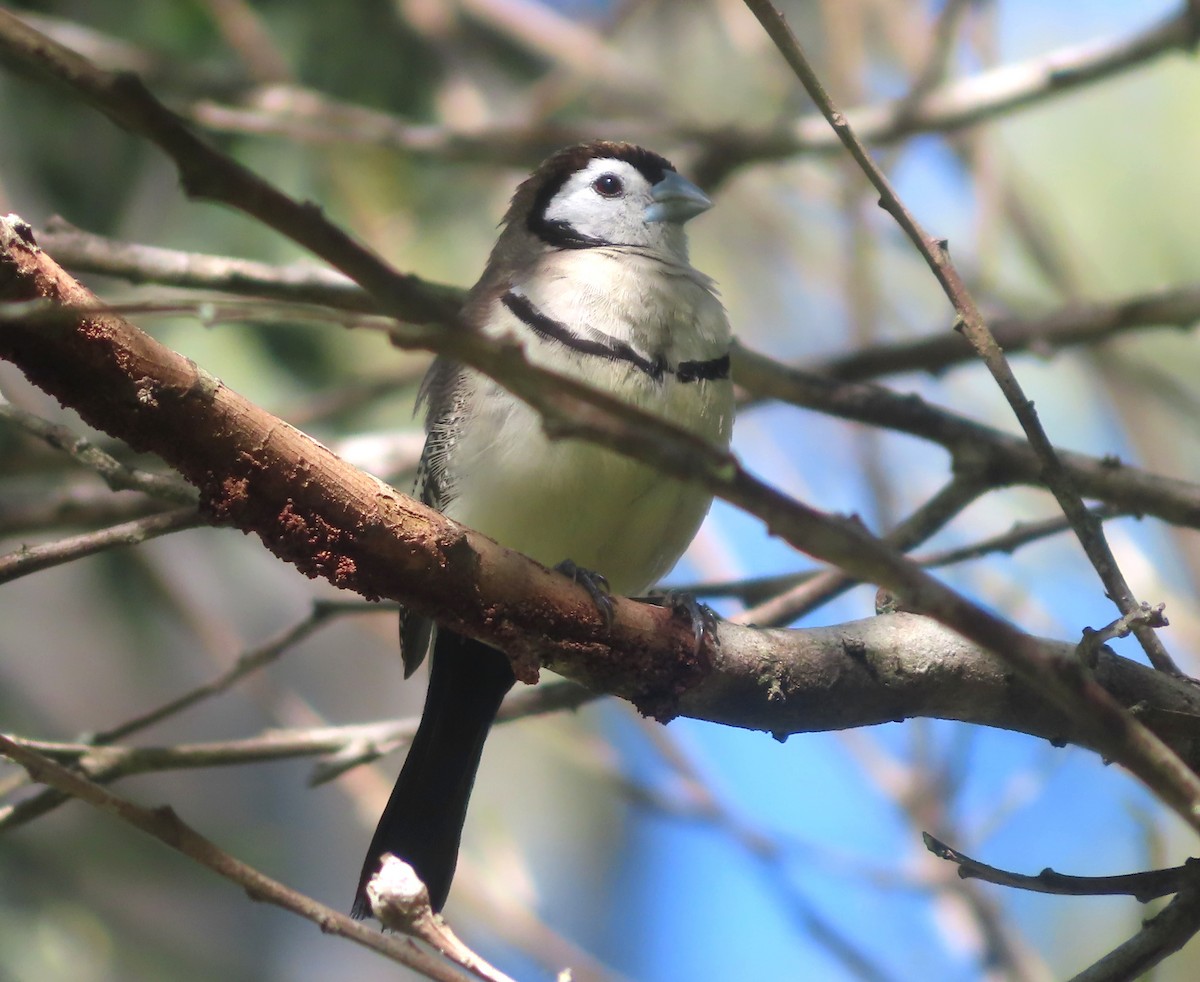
<point x="423" y="820"/>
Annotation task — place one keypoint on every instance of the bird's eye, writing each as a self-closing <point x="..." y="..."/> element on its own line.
<point x="608" y="185"/>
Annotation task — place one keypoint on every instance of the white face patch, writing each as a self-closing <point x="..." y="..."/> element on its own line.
<point x="606" y="201"/>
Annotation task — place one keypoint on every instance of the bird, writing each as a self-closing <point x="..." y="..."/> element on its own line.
<point x="590" y="272"/>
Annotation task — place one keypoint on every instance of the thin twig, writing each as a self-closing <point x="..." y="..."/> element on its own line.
<point x="118" y="476"/>
<point x="1161" y="935"/>
<point x="400" y="900"/>
<point x="345" y="748"/>
<point x="244" y="32"/>
<point x="1122" y="627"/>
<point x="1143" y="887"/>
<point x="72" y="504"/>
<point x="926" y="521"/>
<point x="163" y="824"/>
<point x="1042" y="334"/>
<point x="299" y="282"/>
<point x="1021" y="534"/>
<point x="253" y="660"/>
<point x="759" y="589"/>
<point x="302" y="115"/>
<point x="976" y="447"/>
<point x="33" y="559"/>
<point x="1005" y="458"/>
<point x="932" y="73"/>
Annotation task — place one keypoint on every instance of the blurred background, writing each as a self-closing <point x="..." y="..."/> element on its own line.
<point x="596" y="839"/>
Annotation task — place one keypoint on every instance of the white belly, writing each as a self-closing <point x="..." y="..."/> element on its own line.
<point x="567" y="499"/>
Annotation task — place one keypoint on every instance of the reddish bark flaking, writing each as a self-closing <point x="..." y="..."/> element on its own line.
<point x="260" y="475"/>
<point x="234" y="495"/>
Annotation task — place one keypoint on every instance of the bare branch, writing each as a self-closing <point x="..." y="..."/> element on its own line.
<point x="245" y="32"/>
<point x="303" y="282"/>
<point x="303" y="115"/>
<point x="33" y="559"/>
<point x="253" y="660"/>
<point x="344" y="747"/>
<point x="936" y="254"/>
<point x="844" y="676"/>
<point x="958" y="104"/>
<point x="213" y="176"/>
<point x="345" y="525"/>
<point x="1043" y="335"/>
<point x="759" y="589"/>
<point x="401" y="903"/>
<point x="1162" y="935"/>
<point x="373" y="543"/>
<point x="117" y="476"/>
<point x="72" y="504"/>
<point x="258" y="474"/>
<point x="926" y="521"/>
<point x="1143" y="886"/>
<point x="1004" y="458"/>
<point x="163" y="824"/>
<point x="1021" y="534"/>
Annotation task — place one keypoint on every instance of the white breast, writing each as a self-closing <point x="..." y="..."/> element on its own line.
<point x="567" y="499"/>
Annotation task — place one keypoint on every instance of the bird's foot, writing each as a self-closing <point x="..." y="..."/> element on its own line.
<point x="595" y="584"/>
<point x="702" y="617"/>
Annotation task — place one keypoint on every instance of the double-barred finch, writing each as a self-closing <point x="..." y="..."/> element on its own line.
<point x="591" y="272"/>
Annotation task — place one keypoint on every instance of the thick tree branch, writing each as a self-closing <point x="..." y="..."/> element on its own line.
<point x="861" y="673"/>
<point x="262" y="476"/>
<point x="331" y="520"/>
<point x="334" y="524"/>
<point x="902" y="665"/>
<point x="308" y="506"/>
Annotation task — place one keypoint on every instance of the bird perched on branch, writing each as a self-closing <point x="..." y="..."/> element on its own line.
<point x="591" y="273"/>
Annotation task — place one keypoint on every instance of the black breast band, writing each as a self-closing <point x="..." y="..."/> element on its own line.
<point x="610" y="348"/>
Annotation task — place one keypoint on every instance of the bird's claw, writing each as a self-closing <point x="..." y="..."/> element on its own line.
<point x="595" y="584"/>
<point x="702" y="617"/>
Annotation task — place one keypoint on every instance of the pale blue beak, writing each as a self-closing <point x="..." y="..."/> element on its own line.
<point x="676" y="199"/>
